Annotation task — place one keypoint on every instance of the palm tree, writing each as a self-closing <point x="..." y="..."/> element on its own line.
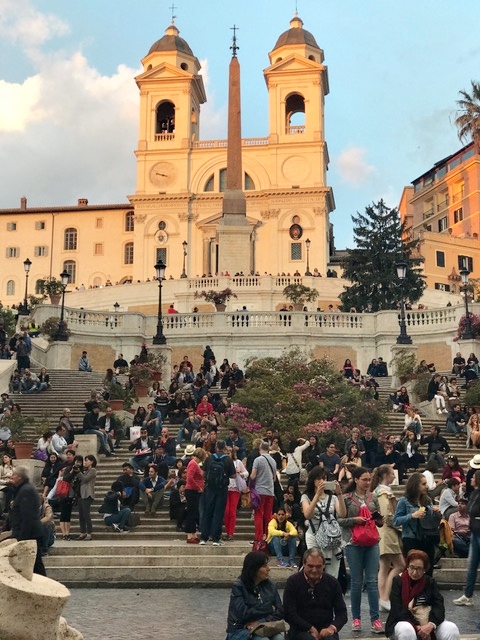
<point x="468" y="115"/>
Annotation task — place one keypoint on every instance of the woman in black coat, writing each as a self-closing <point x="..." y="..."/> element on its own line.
<point x="416" y="604"/>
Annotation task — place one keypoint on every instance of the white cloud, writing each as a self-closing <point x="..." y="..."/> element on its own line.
<point x="213" y="119"/>
<point x="21" y="22"/>
<point x="353" y="167"/>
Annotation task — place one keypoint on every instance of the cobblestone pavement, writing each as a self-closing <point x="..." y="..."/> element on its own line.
<point x="199" y="614"/>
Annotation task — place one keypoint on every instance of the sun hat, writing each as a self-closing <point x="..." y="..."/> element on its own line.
<point x="475" y="462"/>
<point x="190" y="450"/>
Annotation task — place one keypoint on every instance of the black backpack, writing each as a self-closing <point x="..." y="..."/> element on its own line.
<point x="217" y="478"/>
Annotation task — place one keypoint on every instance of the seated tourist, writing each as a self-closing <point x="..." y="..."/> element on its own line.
<point x="456" y="421"/>
<point x="131" y="486"/>
<point x="458" y="364"/>
<point x="459" y="522"/>
<point x="151" y="490"/>
<point x="143" y="447"/>
<point x="113" y="513"/>
<point x="153" y="421"/>
<point x="282" y="538"/>
<point x="190" y="425"/>
<point x="449" y="498"/>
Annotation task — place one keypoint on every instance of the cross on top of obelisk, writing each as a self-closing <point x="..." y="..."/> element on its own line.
<point x="234" y="46"/>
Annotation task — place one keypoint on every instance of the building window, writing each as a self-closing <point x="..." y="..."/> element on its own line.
<point x="222" y="180"/>
<point x="98" y="249"/>
<point x="39" y="225"/>
<point x="296" y="251"/>
<point x="439" y="286"/>
<point x="13" y="252"/>
<point x="128" y="253"/>
<point x="10" y="288"/>
<point x="97" y="282"/>
<point x="11" y="226"/>
<point x="295" y="113"/>
<point x="70" y="267"/>
<point x="41" y="251"/>
<point x="39" y="287"/>
<point x="130" y="221"/>
<point x="465" y="262"/>
<point x="165" y="118"/>
<point x="443" y="223"/>
<point x="458" y="215"/>
<point x="458" y="191"/>
<point x="162" y="255"/>
<point x="99" y="223"/>
<point x="70" y="240"/>
<point x="440" y="258"/>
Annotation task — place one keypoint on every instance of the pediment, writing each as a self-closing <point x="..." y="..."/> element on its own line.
<point x="164" y="70"/>
<point x="294" y="62"/>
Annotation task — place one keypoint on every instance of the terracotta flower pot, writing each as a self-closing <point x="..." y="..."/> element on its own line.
<point x="117" y="405"/>
<point x="141" y="390"/>
<point x="220" y="307"/>
<point x="23" y="450"/>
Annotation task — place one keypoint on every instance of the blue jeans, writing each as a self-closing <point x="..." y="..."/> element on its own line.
<point x="120" y="518"/>
<point x="102" y="438"/>
<point x="139" y="463"/>
<point x="473" y="561"/>
<point x="212" y="517"/>
<point x="363" y="563"/>
<point x="283" y="547"/>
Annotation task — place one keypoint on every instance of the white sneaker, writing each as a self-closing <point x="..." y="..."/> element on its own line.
<point x="384" y="605"/>
<point x="439" y="411"/>
<point x="178" y="447"/>
<point x="202" y="542"/>
<point x="463" y="601"/>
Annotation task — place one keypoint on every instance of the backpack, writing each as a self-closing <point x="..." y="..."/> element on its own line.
<point x="217" y="479"/>
<point x="328" y="534"/>
<point x="364" y="535"/>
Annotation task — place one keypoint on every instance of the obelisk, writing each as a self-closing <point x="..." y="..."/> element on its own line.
<point x="233" y="232"/>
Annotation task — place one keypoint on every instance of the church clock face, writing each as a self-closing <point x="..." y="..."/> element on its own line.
<point x="162" y="174"/>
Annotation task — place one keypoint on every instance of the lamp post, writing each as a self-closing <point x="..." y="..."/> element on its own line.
<point x="184" y="245"/>
<point x="159" y="338"/>
<point x="307" y="244"/>
<point x="467" y="332"/>
<point x="403" y="338"/>
<point x="26" y="265"/>
<point x="116" y="306"/>
<point x="61" y="334"/>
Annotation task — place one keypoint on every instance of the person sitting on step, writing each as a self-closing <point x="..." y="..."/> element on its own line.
<point x="131" y="486"/>
<point x="143" y="447"/>
<point x="152" y="489"/>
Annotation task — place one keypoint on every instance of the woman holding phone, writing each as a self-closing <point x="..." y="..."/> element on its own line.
<point x="315" y="502"/>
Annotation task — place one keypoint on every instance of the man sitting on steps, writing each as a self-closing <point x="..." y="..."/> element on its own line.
<point x="152" y="489"/>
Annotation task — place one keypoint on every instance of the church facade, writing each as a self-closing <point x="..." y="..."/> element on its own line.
<point x="175" y="213"/>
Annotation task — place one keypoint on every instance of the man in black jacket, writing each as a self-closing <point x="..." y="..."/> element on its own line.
<point x="313" y="601"/>
<point x="25" y="514"/>
<point x="437" y="446"/>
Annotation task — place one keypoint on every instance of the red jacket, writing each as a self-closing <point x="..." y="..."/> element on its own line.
<point x="195" y="480"/>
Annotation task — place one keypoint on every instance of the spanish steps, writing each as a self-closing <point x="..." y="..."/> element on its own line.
<point x="154" y="553"/>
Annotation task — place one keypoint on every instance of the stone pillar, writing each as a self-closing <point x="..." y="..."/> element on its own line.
<point x="397" y="350"/>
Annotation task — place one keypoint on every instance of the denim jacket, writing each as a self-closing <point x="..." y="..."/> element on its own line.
<point x="403" y="517"/>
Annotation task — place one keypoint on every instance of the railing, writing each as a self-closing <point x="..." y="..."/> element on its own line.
<point x="442" y="205"/>
<point x="163" y="137"/>
<point x="428" y="214"/>
<point x="430" y="318"/>
<point x="296" y="129"/>
<point x="215" y="144"/>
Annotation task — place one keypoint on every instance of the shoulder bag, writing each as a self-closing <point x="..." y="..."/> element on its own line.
<point x="328" y="534"/>
<point x="270" y="628"/>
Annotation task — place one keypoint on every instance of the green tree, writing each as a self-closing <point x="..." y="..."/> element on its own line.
<point x="467" y="119"/>
<point x="297" y="396"/>
<point x="381" y="241"/>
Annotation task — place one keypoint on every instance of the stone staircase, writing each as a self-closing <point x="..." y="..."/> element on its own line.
<point x="154" y="553"/>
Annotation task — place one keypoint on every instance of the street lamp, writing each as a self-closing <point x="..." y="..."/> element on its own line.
<point x="184" y="245"/>
<point x="467" y="332"/>
<point x="159" y="338"/>
<point x="116" y="306"/>
<point x="307" y="244"/>
<point x="403" y="338"/>
<point x="62" y="334"/>
<point x="26" y="265"/>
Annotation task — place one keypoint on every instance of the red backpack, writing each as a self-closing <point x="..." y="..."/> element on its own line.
<point x="364" y="535"/>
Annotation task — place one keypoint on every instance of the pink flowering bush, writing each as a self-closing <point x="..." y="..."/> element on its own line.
<point x="475" y="322"/>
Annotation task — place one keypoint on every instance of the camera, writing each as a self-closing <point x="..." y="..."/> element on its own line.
<point x="76" y="467"/>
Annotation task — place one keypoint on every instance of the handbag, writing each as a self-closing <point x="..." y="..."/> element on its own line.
<point x="246" y="500"/>
<point x="364" y="535"/>
<point x="428" y="527"/>
<point x="40" y="454"/>
<point x="328" y="534"/>
<point x="62" y="489"/>
<point x="260" y="545"/>
<point x="240" y="482"/>
<point x="254" y="497"/>
<point x="270" y="628"/>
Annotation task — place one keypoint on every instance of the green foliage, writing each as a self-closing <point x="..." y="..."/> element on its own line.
<point x="296" y="396"/>
<point x="16" y="422"/>
<point x="404" y="363"/>
<point x="8" y="321"/>
<point x="50" y="328"/>
<point x="119" y="392"/>
<point x="467" y="119"/>
<point x="381" y="241"/>
<point x="50" y="286"/>
<point x="472" y="395"/>
<point x="299" y="293"/>
<point x="420" y="385"/>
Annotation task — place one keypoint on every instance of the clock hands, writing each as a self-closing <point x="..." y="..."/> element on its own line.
<point x="164" y="175"/>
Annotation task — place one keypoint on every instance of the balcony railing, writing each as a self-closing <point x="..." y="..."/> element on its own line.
<point x="163" y="137"/>
<point x="215" y="144"/>
<point x="296" y="129"/>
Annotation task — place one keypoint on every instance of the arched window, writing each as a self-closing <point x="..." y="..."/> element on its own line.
<point x="10" y="288"/>
<point x="129" y="221"/>
<point x="70" y="239"/>
<point x="70" y="266"/>
<point x="165" y="118"/>
<point x="209" y="183"/>
<point x="97" y="282"/>
<point x="38" y="287"/>
<point x="295" y="113"/>
<point x="249" y="183"/>
<point x="128" y="253"/>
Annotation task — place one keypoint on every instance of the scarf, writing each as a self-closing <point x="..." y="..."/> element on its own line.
<point x="411" y="588"/>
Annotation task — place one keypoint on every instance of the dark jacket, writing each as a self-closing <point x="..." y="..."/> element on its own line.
<point x="320" y="609"/>
<point x="473" y="509"/>
<point x="110" y="503"/>
<point x="136" y="444"/>
<point x="436" y="443"/>
<point x="431" y="596"/>
<point x="246" y="606"/>
<point x="25" y="513"/>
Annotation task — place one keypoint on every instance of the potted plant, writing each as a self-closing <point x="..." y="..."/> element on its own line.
<point x="16" y="423"/>
<point x="299" y="294"/>
<point x="472" y="396"/>
<point x="141" y="376"/>
<point x="50" y="328"/>
<point x="51" y="287"/>
<point x="218" y="298"/>
<point x="119" y="397"/>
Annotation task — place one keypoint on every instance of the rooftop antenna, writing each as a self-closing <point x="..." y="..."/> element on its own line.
<point x="296" y="7"/>
<point x="173" y="7"/>
<point x="234" y="47"/>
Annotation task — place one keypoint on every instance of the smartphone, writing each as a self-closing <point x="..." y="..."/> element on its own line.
<point x="376" y="515"/>
<point x="330" y="486"/>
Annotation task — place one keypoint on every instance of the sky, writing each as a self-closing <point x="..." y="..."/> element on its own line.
<point x="69" y="103"/>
